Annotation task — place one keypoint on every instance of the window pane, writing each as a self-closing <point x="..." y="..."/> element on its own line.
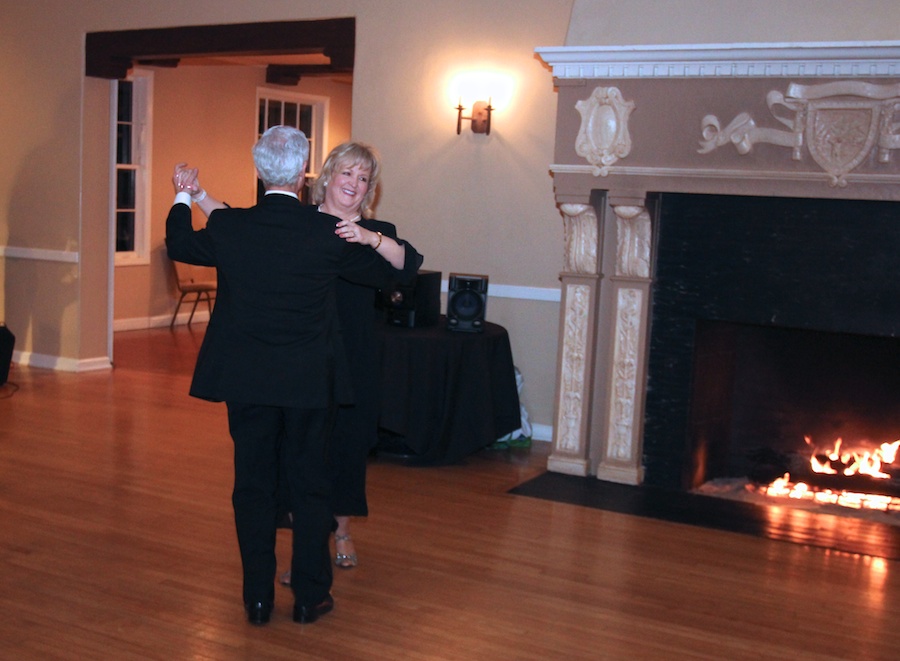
<point x="123" y="143"/>
<point x="130" y="228"/>
<point x="290" y="114"/>
<point x="300" y="111"/>
<point x="124" y="231"/>
<point x="261" y="128"/>
<point x="305" y="125"/>
<point x="125" y="189"/>
<point x="274" y="114"/>
<point x="125" y="101"/>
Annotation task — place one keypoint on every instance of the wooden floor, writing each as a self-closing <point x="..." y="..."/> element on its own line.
<point x="117" y="542"/>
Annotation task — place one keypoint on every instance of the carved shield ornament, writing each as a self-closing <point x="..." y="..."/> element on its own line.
<point x="840" y="135"/>
<point x="603" y="137"/>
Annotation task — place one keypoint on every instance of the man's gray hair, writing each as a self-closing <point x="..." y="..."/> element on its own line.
<point x="280" y="156"/>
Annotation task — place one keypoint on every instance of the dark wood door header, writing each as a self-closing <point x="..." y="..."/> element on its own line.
<point x="112" y="54"/>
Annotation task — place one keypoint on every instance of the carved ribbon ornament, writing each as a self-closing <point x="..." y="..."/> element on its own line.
<point x="840" y="123"/>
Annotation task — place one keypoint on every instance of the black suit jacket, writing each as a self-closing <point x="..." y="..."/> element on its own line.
<point x="273" y="337"/>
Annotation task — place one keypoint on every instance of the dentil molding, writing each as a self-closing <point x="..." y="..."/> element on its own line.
<point x="778" y="60"/>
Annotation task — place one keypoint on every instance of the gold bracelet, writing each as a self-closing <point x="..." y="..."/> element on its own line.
<point x="380" y="237"/>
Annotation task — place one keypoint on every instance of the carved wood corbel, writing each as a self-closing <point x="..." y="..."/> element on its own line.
<point x="580" y="235"/>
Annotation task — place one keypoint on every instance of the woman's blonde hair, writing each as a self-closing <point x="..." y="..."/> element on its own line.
<point x="346" y="155"/>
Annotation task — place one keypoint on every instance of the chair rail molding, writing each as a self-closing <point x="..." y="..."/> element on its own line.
<point x="40" y="254"/>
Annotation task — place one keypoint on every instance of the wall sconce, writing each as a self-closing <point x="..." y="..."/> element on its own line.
<point x="469" y="87"/>
<point x="481" y="117"/>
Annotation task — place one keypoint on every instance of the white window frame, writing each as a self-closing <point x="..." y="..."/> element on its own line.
<point x="319" y="137"/>
<point x="142" y="139"/>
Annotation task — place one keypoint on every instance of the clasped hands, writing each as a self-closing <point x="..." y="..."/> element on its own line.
<point x="185" y="179"/>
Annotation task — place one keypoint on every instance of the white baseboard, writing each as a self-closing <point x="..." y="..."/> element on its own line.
<point x="59" y="363"/>
<point x="541" y="432"/>
<point x="159" y="321"/>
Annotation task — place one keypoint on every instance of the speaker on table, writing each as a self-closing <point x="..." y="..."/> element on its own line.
<point x="466" y="302"/>
<point x="7" y="342"/>
<point x="415" y="305"/>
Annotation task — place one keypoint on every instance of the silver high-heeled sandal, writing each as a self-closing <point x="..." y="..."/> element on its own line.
<point x="344" y="560"/>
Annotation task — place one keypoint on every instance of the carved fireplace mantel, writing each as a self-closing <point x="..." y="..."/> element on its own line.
<point x="810" y="120"/>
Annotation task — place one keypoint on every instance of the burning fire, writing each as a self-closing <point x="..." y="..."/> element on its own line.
<point x="855" y="462"/>
<point x="839" y="461"/>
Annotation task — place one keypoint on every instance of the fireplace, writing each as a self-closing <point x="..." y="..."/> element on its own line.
<point x="743" y="199"/>
<point x="772" y="320"/>
<point x="768" y="400"/>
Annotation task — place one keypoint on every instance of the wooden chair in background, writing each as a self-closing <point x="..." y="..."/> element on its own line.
<point x="191" y="283"/>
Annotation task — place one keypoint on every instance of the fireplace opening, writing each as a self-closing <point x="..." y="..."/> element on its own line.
<point x="802" y="407"/>
<point x="773" y="320"/>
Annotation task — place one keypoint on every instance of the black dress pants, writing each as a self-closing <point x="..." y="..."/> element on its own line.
<point x="265" y="436"/>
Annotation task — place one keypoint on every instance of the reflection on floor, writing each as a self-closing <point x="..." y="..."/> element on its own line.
<point x="778" y="521"/>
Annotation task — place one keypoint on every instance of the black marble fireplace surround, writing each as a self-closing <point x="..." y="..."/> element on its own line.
<point x="771" y="318"/>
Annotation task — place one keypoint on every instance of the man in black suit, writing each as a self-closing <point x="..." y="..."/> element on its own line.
<point x="273" y="353"/>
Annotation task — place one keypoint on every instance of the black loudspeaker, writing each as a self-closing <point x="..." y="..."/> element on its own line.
<point x="7" y="342"/>
<point x="466" y="302"/>
<point x="416" y="305"/>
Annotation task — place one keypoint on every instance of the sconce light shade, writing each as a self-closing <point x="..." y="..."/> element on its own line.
<point x="480" y="118"/>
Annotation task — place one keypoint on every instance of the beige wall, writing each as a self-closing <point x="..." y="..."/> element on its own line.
<point x="612" y="22"/>
<point x="477" y="204"/>
<point x="469" y="203"/>
<point x="40" y="179"/>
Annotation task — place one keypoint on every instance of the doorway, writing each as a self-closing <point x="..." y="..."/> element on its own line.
<point x="288" y="51"/>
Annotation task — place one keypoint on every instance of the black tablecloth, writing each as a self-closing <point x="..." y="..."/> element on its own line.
<point x="446" y="394"/>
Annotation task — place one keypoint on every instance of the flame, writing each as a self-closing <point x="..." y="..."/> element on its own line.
<point x="854" y="462"/>
<point x="783" y="487"/>
<point x="834" y="461"/>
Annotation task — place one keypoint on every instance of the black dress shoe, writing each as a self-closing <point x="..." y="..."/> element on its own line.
<point x="258" y="612"/>
<point x="308" y="614"/>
